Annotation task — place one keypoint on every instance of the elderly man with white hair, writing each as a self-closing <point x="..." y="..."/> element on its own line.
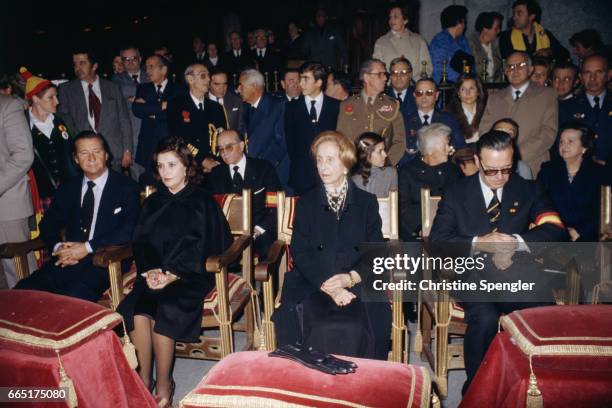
<point x="430" y="169"/>
<point x="268" y="60"/>
<point x="263" y="125"/>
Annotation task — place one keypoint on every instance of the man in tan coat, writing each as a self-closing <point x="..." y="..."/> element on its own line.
<point x="373" y="111"/>
<point x="534" y="108"/>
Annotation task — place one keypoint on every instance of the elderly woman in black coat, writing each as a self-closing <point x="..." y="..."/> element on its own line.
<point x="180" y="225"/>
<point x="322" y="300"/>
<point x="430" y="169"/>
<point x="574" y="181"/>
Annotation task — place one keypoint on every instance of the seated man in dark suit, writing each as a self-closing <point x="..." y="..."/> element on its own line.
<point x="96" y="210"/>
<point x="491" y="211"/>
<point x="312" y="113"/>
<point x="238" y="172"/>
<point x="426" y="94"/>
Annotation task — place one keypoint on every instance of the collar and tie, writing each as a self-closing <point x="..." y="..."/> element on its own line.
<point x="399" y="97"/>
<point x="260" y="53"/>
<point x="236" y="53"/>
<point x="87" y="210"/>
<point x="94" y="105"/>
<point x="313" y="111"/>
<point x="425" y="120"/>
<point x="517" y="95"/>
<point x="159" y="92"/>
<point x="201" y="106"/>
<point x="494" y="211"/>
<point x="237" y="180"/>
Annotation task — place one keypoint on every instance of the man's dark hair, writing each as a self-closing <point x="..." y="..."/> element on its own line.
<point x="317" y="69"/>
<point x="541" y="61"/>
<point x="163" y="61"/>
<point x="87" y="51"/>
<point x="565" y="65"/>
<point x="217" y="71"/>
<point x="398" y="60"/>
<point x="428" y="79"/>
<point x="125" y="47"/>
<point x="533" y="8"/>
<point x="589" y="38"/>
<point x="289" y="71"/>
<point x="495" y="140"/>
<point x="486" y="19"/>
<point x="453" y="15"/>
<point x="587" y="136"/>
<point x="341" y="78"/>
<point x="511" y="121"/>
<point x="599" y="56"/>
<point x="90" y="134"/>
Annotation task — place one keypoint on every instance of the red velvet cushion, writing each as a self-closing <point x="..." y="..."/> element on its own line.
<point x="252" y="379"/>
<point x="41" y="322"/>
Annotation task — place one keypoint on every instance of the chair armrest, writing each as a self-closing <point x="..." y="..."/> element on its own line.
<point x="269" y="266"/>
<point x="105" y="256"/>
<point x="217" y="262"/>
<point x="13" y="249"/>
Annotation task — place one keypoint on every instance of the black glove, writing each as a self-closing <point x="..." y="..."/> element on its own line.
<point x="314" y="359"/>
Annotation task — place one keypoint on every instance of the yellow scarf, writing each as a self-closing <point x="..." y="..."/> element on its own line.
<point x="542" y="40"/>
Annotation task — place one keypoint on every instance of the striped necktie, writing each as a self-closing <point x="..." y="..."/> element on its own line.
<point x="494" y="211"/>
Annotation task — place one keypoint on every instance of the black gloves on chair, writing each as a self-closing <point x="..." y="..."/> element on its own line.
<point x="317" y="360"/>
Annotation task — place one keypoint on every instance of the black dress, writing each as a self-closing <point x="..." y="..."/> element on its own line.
<point x="322" y="246"/>
<point x="176" y="233"/>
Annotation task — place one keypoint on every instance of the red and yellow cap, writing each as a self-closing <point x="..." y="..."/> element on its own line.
<point x="34" y="84"/>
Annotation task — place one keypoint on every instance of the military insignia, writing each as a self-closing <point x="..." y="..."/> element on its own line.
<point x="385" y="109"/>
<point x="64" y="132"/>
<point x="186" y="117"/>
<point x="512" y="210"/>
<point x="580" y="115"/>
<point x="348" y="109"/>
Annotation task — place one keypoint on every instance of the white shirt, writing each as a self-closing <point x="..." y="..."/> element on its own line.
<point x="137" y="75"/>
<point x="261" y="51"/>
<point x="522" y="89"/>
<point x="237" y="53"/>
<point x="241" y="167"/>
<point x="214" y="98"/>
<point x="489" y="51"/>
<point x="429" y="116"/>
<point x="197" y="101"/>
<point x="214" y="61"/>
<point x="591" y="98"/>
<point x="256" y="104"/>
<point x="97" y="92"/>
<point x="403" y="94"/>
<point x="318" y="103"/>
<point x="163" y="85"/>
<point x="45" y="127"/>
<point x="468" y="115"/>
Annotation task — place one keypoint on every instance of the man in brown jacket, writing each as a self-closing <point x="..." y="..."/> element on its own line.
<point x="534" y="108"/>
<point x="373" y="111"/>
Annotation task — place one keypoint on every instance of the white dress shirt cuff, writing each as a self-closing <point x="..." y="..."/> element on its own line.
<point x="89" y="250"/>
<point x="522" y="244"/>
<point x="258" y="231"/>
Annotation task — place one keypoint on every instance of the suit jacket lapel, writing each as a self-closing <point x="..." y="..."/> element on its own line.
<point x="509" y="200"/>
<point x="475" y="205"/>
<point x="82" y="118"/>
<point x="104" y="202"/>
<point x="104" y="112"/>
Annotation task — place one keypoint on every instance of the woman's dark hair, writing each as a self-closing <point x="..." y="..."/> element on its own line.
<point x="516" y="156"/>
<point x="90" y="134"/>
<point x="365" y="145"/>
<point x="486" y="19"/>
<point x="179" y="147"/>
<point x="453" y="15"/>
<point x="589" y="38"/>
<point x="456" y="108"/>
<point x="587" y="136"/>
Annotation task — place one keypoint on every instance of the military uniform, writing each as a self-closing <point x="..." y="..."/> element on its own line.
<point x="382" y="116"/>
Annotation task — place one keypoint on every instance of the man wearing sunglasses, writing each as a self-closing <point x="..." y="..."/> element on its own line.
<point x="534" y="108"/>
<point x="237" y="172"/>
<point x="426" y="94"/>
<point x="373" y="111"/>
<point x="491" y="213"/>
<point x="401" y="85"/>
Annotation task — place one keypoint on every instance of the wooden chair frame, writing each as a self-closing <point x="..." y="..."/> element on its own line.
<point x="276" y="263"/>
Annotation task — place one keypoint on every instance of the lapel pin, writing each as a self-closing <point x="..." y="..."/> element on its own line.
<point x="512" y="210"/>
<point x="516" y="203"/>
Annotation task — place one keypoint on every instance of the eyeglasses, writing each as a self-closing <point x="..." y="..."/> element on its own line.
<point x="492" y="172"/>
<point x="201" y="75"/>
<point x="517" y="66"/>
<point x="129" y="59"/>
<point x="429" y="92"/>
<point x="403" y="72"/>
<point x="227" y="148"/>
<point x="378" y="74"/>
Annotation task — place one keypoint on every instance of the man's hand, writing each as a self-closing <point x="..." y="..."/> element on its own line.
<point x="502" y="260"/>
<point x="126" y="160"/>
<point x="131" y="99"/>
<point x="335" y="283"/>
<point x="496" y="242"/>
<point x="70" y="253"/>
<point x="209" y="164"/>
<point x="139" y="100"/>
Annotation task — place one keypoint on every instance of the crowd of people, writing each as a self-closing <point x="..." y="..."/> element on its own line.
<point x="544" y="139"/>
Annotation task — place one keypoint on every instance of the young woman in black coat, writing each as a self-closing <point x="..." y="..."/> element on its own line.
<point x="179" y="226"/>
<point x="322" y="296"/>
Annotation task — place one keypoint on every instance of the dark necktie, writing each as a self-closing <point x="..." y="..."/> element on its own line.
<point x="135" y="78"/>
<point x="260" y="53"/>
<point x="426" y="120"/>
<point x="159" y="92"/>
<point x="200" y="106"/>
<point x="596" y="109"/>
<point x="87" y="210"/>
<point x="94" y="106"/>
<point x="494" y="211"/>
<point x="237" y="180"/>
<point x="313" y="112"/>
<point x="399" y="97"/>
<point x="517" y="95"/>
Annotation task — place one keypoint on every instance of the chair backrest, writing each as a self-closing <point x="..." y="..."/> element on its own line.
<point x="429" y="207"/>
<point x="605" y="219"/>
<point x="285" y="213"/>
<point x="388" y="208"/>
<point x="237" y="210"/>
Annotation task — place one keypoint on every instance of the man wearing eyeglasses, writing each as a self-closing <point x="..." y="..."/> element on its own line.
<point x="426" y="94"/>
<point x="239" y="171"/>
<point x="534" y="108"/>
<point x="196" y="118"/>
<point x="491" y="213"/>
<point x="373" y="111"/>
<point x="402" y="87"/>
<point x="128" y="80"/>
